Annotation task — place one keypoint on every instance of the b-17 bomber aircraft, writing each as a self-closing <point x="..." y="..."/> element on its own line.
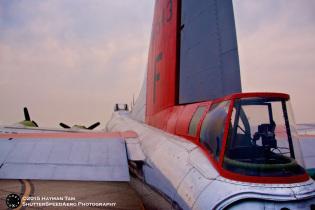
<point x="193" y="136"/>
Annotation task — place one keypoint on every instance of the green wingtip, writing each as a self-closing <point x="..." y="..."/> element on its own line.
<point x="27" y="123"/>
<point x="80" y="126"/>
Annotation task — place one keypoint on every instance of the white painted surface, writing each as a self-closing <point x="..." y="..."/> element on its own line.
<point x="178" y="169"/>
<point x="93" y="159"/>
<point x="134" y="150"/>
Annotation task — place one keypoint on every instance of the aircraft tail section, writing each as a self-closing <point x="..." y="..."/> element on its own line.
<point x="159" y="89"/>
<point x="193" y="55"/>
<point x="163" y="56"/>
<point x="209" y="64"/>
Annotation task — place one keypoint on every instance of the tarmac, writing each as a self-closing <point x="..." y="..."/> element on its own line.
<point x="133" y="195"/>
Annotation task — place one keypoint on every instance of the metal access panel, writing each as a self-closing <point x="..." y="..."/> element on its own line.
<point x="90" y="159"/>
<point x="209" y="62"/>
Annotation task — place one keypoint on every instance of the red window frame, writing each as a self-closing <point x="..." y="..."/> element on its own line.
<point x="219" y="164"/>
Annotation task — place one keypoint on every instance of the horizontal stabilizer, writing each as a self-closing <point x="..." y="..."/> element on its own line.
<point x="85" y="159"/>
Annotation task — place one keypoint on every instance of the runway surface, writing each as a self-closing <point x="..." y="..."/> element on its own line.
<point x="131" y="195"/>
<point x="120" y="193"/>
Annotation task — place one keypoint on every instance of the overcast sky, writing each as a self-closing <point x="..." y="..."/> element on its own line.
<point x="72" y="60"/>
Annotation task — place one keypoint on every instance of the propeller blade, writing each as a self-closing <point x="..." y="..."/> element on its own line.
<point x="64" y="125"/>
<point x="26" y="114"/>
<point x="34" y="123"/>
<point x="91" y="127"/>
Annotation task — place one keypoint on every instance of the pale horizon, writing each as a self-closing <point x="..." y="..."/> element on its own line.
<point x="71" y="61"/>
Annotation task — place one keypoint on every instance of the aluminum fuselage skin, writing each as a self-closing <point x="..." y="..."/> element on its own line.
<point x="180" y="170"/>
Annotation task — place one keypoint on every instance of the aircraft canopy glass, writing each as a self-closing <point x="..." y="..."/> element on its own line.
<point x="261" y="141"/>
<point x="212" y="129"/>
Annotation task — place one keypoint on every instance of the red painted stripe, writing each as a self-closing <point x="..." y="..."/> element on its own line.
<point x="162" y="59"/>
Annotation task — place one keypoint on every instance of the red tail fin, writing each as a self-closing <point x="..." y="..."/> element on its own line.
<point x="161" y="75"/>
<point x="193" y="55"/>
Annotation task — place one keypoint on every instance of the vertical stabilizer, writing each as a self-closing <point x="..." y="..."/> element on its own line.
<point x="209" y="64"/>
<point x="162" y="61"/>
<point x="193" y="55"/>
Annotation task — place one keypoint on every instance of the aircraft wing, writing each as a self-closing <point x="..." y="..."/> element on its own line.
<point x="57" y="155"/>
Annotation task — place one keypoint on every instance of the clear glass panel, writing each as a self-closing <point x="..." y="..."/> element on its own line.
<point x="294" y="135"/>
<point x="260" y="142"/>
<point x="212" y="128"/>
<point x="195" y="120"/>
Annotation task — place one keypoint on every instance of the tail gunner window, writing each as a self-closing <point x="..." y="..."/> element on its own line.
<point x="260" y="141"/>
<point x="195" y="120"/>
<point x="212" y="129"/>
